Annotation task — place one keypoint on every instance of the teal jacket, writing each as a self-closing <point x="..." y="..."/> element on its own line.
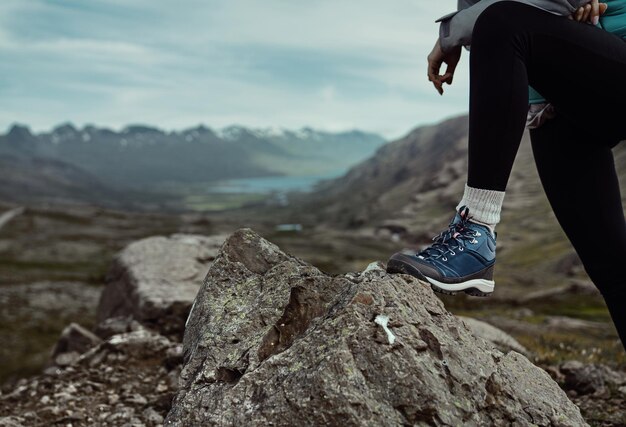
<point x="613" y="21"/>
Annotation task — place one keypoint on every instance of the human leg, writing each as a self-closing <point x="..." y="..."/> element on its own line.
<point x="515" y="45"/>
<point x="579" y="68"/>
<point x="578" y="174"/>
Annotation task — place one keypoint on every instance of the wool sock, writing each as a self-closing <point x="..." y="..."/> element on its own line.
<point x="484" y="205"/>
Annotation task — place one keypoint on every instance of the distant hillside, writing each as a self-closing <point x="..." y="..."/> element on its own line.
<point x="416" y="178"/>
<point x="316" y="153"/>
<point x="426" y="165"/>
<point x="40" y="180"/>
<point x="142" y="157"/>
<point x="35" y="178"/>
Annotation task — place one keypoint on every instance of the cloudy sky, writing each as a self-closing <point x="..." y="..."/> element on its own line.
<point x="327" y="64"/>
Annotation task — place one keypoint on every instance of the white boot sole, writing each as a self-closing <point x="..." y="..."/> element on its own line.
<point x="483" y="285"/>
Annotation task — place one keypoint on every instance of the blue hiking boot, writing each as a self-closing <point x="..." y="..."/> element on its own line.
<point x="461" y="259"/>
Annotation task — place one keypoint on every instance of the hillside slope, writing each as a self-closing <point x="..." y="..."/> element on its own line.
<point x="44" y="180"/>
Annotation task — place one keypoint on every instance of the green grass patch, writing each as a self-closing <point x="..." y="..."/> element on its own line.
<point x="18" y="271"/>
<point x="533" y="254"/>
<point x="553" y="347"/>
<point x="221" y="201"/>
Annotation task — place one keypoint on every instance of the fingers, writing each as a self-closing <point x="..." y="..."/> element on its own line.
<point x="579" y="13"/>
<point x="447" y="77"/>
<point x="436" y="79"/>
<point x="590" y="12"/>
<point x="433" y="74"/>
<point x="603" y="8"/>
<point x="435" y="59"/>
<point x="586" y="13"/>
<point x="595" y="12"/>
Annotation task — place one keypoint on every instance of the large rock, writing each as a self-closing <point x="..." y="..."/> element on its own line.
<point x="271" y="340"/>
<point x="500" y="339"/>
<point x="155" y="280"/>
<point x="587" y="378"/>
<point x="598" y="390"/>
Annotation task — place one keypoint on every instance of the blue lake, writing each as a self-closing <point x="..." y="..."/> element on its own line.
<point x="272" y="184"/>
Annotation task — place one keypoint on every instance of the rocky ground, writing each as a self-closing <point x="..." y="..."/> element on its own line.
<point x="258" y="319"/>
<point x="53" y="262"/>
<point x="127" y="380"/>
<point x="124" y="370"/>
<point x="32" y="315"/>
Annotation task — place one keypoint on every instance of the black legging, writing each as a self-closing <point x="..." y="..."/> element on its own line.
<point x="581" y="70"/>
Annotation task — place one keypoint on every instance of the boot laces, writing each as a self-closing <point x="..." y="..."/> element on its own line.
<point x="455" y="237"/>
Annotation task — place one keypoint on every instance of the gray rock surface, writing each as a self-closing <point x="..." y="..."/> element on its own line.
<point x="575" y="287"/>
<point x="74" y="341"/>
<point x="587" y="378"/>
<point x="116" y="325"/>
<point x="271" y="340"/>
<point x="597" y="389"/>
<point x="155" y="280"/>
<point x="500" y="339"/>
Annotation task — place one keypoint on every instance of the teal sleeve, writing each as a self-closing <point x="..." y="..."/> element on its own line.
<point x="614" y="19"/>
<point x="535" y="97"/>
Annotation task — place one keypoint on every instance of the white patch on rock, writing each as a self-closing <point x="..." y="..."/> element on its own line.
<point x="383" y="320"/>
<point x="376" y="267"/>
<point x="190" y="311"/>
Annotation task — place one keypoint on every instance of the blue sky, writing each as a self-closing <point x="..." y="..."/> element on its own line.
<point x="328" y="64"/>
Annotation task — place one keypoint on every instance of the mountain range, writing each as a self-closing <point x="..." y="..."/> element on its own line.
<point x="141" y="161"/>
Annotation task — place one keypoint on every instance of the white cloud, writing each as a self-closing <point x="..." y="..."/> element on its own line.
<point x="278" y="63"/>
<point x="328" y="93"/>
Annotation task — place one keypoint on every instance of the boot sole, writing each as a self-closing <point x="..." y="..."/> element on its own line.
<point x="473" y="287"/>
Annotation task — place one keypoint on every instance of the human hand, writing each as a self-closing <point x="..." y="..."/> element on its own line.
<point x="436" y="58"/>
<point x="590" y="12"/>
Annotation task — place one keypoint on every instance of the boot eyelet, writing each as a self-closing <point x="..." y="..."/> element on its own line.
<point x="461" y="249"/>
<point x="444" y="258"/>
<point x="452" y="253"/>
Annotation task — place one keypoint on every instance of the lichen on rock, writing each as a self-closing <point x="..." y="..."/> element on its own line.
<point x="272" y="340"/>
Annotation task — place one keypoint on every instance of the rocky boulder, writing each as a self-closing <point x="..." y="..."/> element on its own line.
<point x="586" y="378"/>
<point x="598" y="390"/>
<point x="155" y="280"/>
<point x="500" y="339"/>
<point x="272" y="340"/>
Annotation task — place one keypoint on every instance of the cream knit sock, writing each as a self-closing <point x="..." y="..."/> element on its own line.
<point x="484" y="205"/>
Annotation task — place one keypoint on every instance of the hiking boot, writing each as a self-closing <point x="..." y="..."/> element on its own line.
<point x="461" y="259"/>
